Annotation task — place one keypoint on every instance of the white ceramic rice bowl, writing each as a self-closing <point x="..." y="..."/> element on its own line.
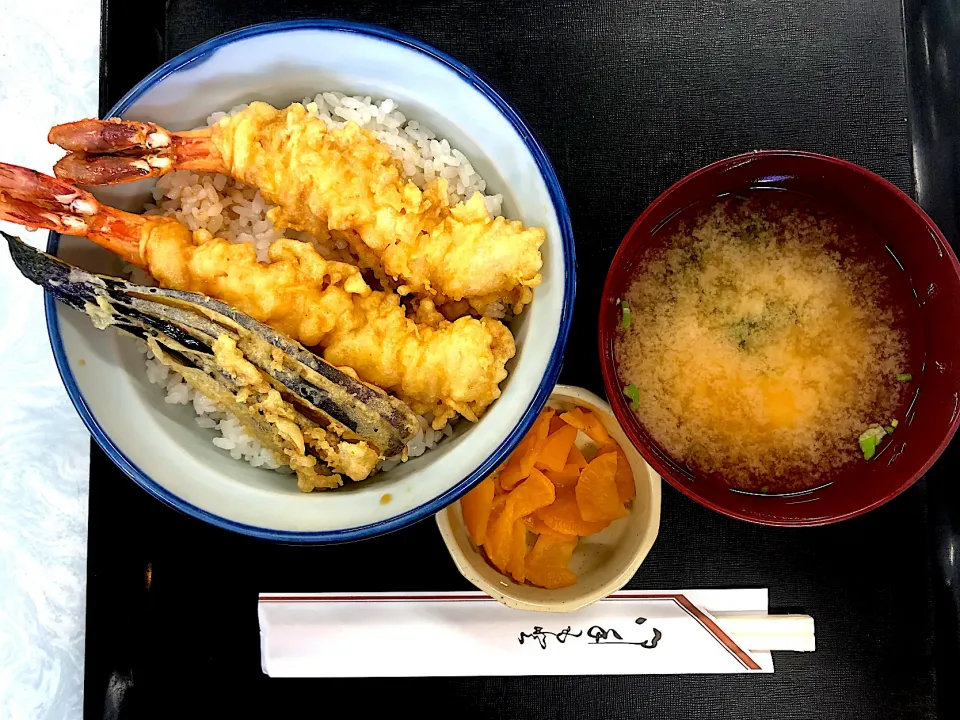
<point x="159" y="445"/>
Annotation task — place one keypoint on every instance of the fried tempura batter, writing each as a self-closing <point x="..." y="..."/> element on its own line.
<point x="327" y="180"/>
<point x="346" y="179"/>
<point x="437" y="366"/>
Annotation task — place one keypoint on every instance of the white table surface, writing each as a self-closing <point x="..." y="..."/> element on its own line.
<point x="49" y="72"/>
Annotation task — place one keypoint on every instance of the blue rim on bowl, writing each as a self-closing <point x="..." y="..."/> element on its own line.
<point x="200" y="52"/>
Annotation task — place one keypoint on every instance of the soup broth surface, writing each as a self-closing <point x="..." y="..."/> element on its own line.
<point x="766" y="333"/>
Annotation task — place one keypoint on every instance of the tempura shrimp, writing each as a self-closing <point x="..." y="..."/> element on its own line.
<point x="330" y="180"/>
<point x="438" y="366"/>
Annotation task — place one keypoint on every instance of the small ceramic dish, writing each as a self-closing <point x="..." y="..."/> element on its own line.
<point x="603" y="562"/>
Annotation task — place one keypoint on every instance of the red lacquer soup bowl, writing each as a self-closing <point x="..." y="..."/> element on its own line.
<point x="932" y="304"/>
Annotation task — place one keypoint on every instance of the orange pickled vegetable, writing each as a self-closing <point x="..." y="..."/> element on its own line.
<point x="532" y="494"/>
<point x="529" y="496"/>
<point x="626" y="487"/>
<point x="556" y="449"/>
<point x="596" y="491"/>
<point x="539" y="527"/>
<point x="499" y="541"/>
<point x="575" y="417"/>
<point x="555" y="424"/>
<point x="568" y="476"/>
<point x="595" y="429"/>
<point x="518" y="550"/>
<point x="521" y="462"/>
<point x="552" y="551"/>
<point x="577" y="458"/>
<point x="552" y="578"/>
<point x="548" y="488"/>
<point x="546" y="564"/>
<point x="476" y="506"/>
<point x="563" y="515"/>
<point x="589" y="423"/>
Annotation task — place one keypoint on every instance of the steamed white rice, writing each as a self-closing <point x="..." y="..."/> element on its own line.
<point x="238" y="213"/>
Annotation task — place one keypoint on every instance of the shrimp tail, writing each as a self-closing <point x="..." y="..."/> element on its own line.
<point x="36" y="200"/>
<point x="109" y="152"/>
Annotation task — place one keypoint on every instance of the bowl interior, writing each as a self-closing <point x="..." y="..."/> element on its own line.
<point x="161" y="446"/>
<point x="927" y="262"/>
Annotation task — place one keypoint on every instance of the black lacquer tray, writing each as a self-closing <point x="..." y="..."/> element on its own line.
<point x="626" y="97"/>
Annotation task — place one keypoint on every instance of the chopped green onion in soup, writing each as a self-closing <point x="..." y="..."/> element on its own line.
<point x="633" y="393"/>
<point x="627" y="317"/>
<point x="870" y="439"/>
